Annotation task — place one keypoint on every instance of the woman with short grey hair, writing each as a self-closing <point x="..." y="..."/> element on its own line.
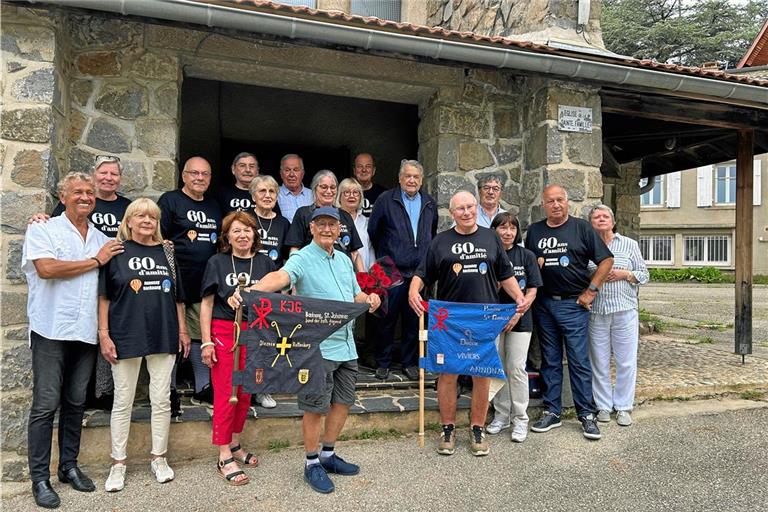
<point x="613" y="324"/>
<point x="324" y="189"/>
<point x="350" y="199"/>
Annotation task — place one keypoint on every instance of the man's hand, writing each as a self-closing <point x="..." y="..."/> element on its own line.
<point x="184" y="344"/>
<point x="414" y="300"/>
<point x="373" y="301"/>
<point x="586" y="298"/>
<point x="37" y="218"/>
<point x="209" y="356"/>
<point x="512" y="322"/>
<point x="108" y="251"/>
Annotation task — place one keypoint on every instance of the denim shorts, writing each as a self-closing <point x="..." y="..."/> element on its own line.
<point x="340" y="379"/>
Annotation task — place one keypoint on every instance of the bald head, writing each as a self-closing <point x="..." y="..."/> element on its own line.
<point x="554" y="199"/>
<point x="461" y="197"/>
<point x="196" y="176"/>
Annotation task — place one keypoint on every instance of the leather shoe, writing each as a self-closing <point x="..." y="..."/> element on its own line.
<point x="412" y="372"/>
<point x="44" y="494"/>
<point x="76" y="479"/>
<point x="382" y="373"/>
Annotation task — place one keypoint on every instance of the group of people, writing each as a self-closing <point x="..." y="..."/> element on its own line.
<point x="159" y="281"/>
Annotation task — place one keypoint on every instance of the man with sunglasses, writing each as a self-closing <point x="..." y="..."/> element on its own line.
<point x="192" y="220"/>
<point x="110" y="206"/>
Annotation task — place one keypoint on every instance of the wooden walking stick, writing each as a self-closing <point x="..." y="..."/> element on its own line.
<point x="236" y="346"/>
<point x="422" y="340"/>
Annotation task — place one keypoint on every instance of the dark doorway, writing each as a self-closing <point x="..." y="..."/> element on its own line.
<point x="221" y="119"/>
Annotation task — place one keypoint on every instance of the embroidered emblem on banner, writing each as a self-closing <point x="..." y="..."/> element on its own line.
<point x="304" y="375"/>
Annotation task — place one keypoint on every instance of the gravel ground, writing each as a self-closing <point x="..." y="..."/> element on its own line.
<point x="682" y="456"/>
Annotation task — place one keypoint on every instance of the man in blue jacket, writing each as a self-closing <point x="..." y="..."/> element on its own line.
<point x="401" y="226"/>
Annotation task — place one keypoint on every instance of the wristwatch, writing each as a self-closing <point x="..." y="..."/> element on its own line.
<point x="593" y="288"/>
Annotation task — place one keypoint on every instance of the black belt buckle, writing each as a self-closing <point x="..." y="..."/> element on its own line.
<point x="562" y="297"/>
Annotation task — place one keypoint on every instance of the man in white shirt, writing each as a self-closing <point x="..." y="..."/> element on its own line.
<point x="292" y="194"/>
<point x="61" y="259"/>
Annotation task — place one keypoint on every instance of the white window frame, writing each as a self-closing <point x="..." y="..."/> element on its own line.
<point x="652" y="260"/>
<point x="661" y="184"/>
<point x="725" y="182"/>
<point x="707" y="261"/>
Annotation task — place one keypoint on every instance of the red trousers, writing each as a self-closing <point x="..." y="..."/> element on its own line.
<point x="227" y="418"/>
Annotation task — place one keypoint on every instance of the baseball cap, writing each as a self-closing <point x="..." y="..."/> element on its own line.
<point x="326" y="211"/>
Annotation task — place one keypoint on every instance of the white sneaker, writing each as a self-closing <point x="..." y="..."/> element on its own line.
<point x="623" y="418"/>
<point x="496" y="426"/>
<point x="603" y="416"/>
<point x="116" y="479"/>
<point x="266" y="401"/>
<point x="519" y="432"/>
<point x="162" y="471"/>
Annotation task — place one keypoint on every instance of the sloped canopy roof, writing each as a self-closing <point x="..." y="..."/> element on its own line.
<point x="757" y="55"/>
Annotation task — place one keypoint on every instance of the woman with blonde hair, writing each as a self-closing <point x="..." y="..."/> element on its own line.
<point x="141" y="316"/>
<point x="350" y="199"/>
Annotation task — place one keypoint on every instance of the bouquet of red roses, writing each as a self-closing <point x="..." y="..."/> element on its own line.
<point x="382" y="276"/>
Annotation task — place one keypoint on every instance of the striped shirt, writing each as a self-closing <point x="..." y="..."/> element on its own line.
<point x="621" y="295"/>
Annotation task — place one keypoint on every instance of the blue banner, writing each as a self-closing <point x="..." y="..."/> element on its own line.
<point x="460" y="338"/>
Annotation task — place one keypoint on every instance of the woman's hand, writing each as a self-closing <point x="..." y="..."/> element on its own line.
<point x="235" y="300"/>
<point x="414" y="300"/>
<point x="184" y="344"/>
<point x="209" y="356"/>
<point x="512" y="322"/>
<point x="107" y="347"/>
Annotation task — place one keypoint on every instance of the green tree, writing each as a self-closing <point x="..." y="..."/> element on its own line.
<point x="688" y="32"/>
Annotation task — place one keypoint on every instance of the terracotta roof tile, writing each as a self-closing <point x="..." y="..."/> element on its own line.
<point x="471" y="37"/>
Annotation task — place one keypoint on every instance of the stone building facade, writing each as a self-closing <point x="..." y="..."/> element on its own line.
<point x="77" y="84"/>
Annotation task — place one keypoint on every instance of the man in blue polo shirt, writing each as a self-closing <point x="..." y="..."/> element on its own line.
<point x="318" y="271"/>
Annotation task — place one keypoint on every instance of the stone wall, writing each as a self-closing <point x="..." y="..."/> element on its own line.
<point x="622" y="194"/>
<point x="529" y="20"/>
<point x="471" y="131"/>
<point x="31" y="93"/>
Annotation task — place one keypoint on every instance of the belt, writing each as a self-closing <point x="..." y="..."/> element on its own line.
<point x="562" y="297"/>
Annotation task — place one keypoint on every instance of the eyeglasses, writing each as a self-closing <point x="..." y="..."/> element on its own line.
<point x="326" y="187"/>
<point x="199" y="174"/>
<point x="491" y="188"/>
<point x="326" y="224"/>
<point x="351" y="193"/>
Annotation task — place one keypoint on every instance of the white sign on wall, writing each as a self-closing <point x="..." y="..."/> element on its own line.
<point x="574" y="119"/>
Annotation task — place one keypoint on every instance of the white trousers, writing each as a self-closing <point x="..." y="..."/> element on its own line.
<point x="512" y="399"/>
<point x="617" y="333"/>
<point x="126" y="374"/>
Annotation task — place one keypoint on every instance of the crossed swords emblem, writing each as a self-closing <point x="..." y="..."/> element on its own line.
<point x="284" y="344"/>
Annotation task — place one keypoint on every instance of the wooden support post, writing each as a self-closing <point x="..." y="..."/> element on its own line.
<point x="743" y="245"/>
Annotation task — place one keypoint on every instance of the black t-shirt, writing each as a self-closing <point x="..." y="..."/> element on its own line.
<point x="369" y="197"/>
<point x="233" y="199"/>
<point x="467" y="268"/>
<point x="566" y="251"/>
<point x="272" y="233"/>
<point x="193" y="227"/>
<point x="220" y="279"/>
<point x="526" y="271"/>
<point x="142" y="301"/>
<point x="299" y="235"/>
<point x="106" y="215"/>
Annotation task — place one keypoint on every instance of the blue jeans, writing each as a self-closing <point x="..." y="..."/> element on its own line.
<point x="61" y="370"/>
<point x="397" y="302"/>
<point x="564" y="321"/>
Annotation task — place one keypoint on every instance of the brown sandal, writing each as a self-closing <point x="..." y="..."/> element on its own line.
<point x="249" y="460"/>
<point x="230" y="477"/>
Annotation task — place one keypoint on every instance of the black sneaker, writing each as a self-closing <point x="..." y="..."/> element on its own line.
<point x="547" y="422"/>
<point x="176" y="411"/>
<point x="204" y="397"/>
<point x="589" y="426"/>
<point x="382" y="373"/>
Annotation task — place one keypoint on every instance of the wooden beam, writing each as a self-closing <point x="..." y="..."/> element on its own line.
<point x="743" y="245"/>
<point x="682" y="111"/>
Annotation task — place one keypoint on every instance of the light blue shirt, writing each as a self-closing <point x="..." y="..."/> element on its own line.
<point x="320" y="275"/>
<point x="483" y="219"/>
<point x="413" y="209"/>
<point x="290" y="202"/>
<point x="618" y="296"/>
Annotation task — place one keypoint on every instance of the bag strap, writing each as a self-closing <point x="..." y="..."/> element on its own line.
<point x="171" y="257"/>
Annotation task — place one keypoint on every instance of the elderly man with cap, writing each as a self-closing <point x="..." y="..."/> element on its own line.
<point x="319" y="271"/>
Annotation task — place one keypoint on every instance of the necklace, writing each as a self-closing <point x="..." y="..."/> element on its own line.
<point x="261" y="226"/>
<point x="250" y="269"/>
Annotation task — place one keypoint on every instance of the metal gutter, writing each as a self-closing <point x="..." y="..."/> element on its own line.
<point x="220" y="16"/>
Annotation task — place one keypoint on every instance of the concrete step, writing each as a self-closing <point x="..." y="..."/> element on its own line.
<point x="376" y="413"/>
